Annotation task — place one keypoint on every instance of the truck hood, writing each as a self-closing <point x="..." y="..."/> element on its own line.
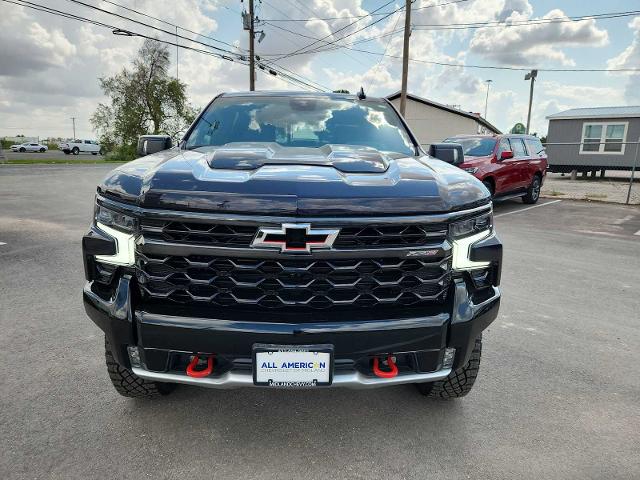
<point x="269" y="179"/>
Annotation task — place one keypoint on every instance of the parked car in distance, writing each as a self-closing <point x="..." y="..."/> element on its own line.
<point x="509" y="165"/>
<point x="29" y="147"/>
<point x="81" y="146"/>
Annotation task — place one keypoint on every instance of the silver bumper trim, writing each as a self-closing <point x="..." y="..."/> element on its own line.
<point x="353" y="380"/>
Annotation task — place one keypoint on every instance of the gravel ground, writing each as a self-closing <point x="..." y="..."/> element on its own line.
<point x="613" y="188"/>
<point x="557" y="396"/>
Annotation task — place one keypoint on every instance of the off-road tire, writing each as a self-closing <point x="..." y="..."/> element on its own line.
<point x="75" y="151"/>
<point x="459" y="382"/>
<point x="128" y="384"/>
<point x="533" y="192"/>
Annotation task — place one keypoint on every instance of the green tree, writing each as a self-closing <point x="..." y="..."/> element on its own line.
<point x="143" y="100"/>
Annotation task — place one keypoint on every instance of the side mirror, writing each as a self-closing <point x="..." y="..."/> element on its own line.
<point x="447" y="152"/>
<point x="506" y="154"/>
<point x="148" y="144"/>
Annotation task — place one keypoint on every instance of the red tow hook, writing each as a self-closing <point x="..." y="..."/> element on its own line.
<point x="382" y="373"/>
<point x="191" y="368"/>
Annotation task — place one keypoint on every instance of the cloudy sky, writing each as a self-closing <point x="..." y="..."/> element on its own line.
<point x="50" y="65"/>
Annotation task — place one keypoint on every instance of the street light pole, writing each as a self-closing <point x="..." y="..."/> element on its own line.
<point x="405" y="57"/>
<point x="73" y="119"/>
<point x="486" y="100"/>
<point x="530" y="76"/>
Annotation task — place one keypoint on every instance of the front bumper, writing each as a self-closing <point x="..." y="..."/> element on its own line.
<point x="159" y="337"/>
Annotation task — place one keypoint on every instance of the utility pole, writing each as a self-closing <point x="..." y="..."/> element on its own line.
<point x="177" y="50"/>
<point x="252" y="64"/>
<point x="486" y="100"/>
<point x="530" y="76"/>
<point x="405" y="56"/>
<point x="73" y="119"/>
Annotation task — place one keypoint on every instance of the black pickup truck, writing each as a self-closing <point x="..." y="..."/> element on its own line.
<point x="292" y="240"/>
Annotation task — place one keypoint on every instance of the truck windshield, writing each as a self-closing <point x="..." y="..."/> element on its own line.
<point x="301" y="122"/>
<point x="475" y="147"/>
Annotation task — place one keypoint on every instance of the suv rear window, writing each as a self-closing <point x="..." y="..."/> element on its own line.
<point x="535" y="145"/>
<point x="519" y="149"/>
<point x="301" y="122"/>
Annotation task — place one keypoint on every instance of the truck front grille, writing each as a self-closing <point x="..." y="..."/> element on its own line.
<point x="295" y="282"/>
<point x="233" y="235"/>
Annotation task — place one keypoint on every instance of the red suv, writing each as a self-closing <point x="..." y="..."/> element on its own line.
<point x="508" y="165"/>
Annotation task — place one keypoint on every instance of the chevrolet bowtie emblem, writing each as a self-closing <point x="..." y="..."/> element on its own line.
<point x="294" y="237"/>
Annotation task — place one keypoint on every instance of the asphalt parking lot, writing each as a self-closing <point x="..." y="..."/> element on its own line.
<point x="558" y="394"/>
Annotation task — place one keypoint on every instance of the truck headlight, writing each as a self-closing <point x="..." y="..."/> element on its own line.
<point x="121" y="228"/>
<point x="464" y="234"/>
<point x="114" y="219"/>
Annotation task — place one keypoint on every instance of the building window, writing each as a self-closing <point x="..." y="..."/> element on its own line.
<point x="603" y="138"/>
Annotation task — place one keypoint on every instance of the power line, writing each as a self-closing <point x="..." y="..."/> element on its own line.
<point x="52" y="11"/>
<point x="178" y="36"/>
<point x="143" y="14"/>
<point x="339" y="30"/>
<point x="280" y="35"/>
<point x="314" y="13"/>
<point x="461" y="26"/>
<point x="519" y="23"/>
<point x="349" y="17"/>
<point x="455" y="65"/>
<point x="487" y="67"/>
<point x="167" y="32"/>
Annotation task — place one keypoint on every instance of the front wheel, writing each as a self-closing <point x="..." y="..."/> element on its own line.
<point x="94" y="153"/>
<point x="42" y="150"/>
<point x="128" y="384"/>
<point x="533" y="192"/>
<point x="22" y="150"/>
<point x="460" y="381"/>
<point x="75" y="150"/>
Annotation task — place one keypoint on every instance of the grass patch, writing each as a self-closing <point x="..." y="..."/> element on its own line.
<point x="554" y="193"/>
<point x="595" y="195"/>
<point x="53" y="161"/>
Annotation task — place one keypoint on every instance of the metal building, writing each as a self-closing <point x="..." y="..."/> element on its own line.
<point x="599" y="138"/>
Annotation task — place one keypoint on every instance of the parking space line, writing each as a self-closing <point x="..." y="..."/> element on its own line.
<point x="525" y="209"/>
<point x="2" y="243"/>
<point x="637" y="233"/>
<point x="622" y="220"/>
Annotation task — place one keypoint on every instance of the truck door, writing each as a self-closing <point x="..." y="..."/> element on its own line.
<point x="505" y="174"/>
<point x="521" y="162"/>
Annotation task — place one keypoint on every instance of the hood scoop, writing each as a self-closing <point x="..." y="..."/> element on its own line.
<point x="252" y="156"/>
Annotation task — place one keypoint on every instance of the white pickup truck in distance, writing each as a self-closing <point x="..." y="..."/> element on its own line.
<point x="81" y="146"/>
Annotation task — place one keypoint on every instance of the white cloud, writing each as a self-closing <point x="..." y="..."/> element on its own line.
<point x="630" y="58"/>
<point x="536" y="43"/>
<point x="50" y="66"/>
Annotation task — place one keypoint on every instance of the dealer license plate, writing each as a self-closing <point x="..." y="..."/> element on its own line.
<point x="294" y="366"/>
